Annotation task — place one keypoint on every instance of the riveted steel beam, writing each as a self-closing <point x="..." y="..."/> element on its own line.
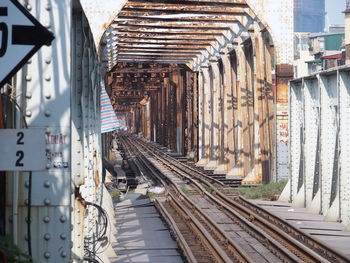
<point x="167" y="47"/>
<point x="166" y="61"/>
<point x="156" y="55"/>
<point x="155" y="51"/>
<point x="160" y="31"/>
<point x="165" y="41"/>
<point x="156" y="36"/>
<point x="225" y="3"/>
<point x="182" y="18"/>
<point x="174" y="25"/>
<point x="151" y="11"/>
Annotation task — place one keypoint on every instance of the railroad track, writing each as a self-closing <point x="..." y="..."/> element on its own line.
<point x="226" y="228"/>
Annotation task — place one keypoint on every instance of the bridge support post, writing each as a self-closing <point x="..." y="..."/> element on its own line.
<point x="205" y="117"/>
<point x="226" y="138"/>
<point x="214" y="152"/>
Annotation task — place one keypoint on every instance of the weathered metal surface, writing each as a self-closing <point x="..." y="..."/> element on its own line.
<point x="158" y="31"/>
<point x="100" y="14"/>
<point x="319" y="104"/>
<point x="59" y="90"/>
<point x="44" y="89"/>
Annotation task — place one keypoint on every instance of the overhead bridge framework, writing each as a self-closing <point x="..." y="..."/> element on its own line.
<point x="204" y="72"/>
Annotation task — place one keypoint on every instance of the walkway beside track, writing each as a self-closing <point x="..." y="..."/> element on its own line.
<point x="333" y="234"/>
<point x="141" y="234"/>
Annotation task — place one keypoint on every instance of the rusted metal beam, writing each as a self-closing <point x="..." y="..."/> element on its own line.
<point x="170" y="32"/>
<point x="182" y="19"/>
<point x="156" y="55"/>
<point x="142" y="70"/>
<point x="155" y="51"/>
<point x="185" y="38"/>
<point x="167" y="47"/>
<point x="156" y="36"/>
<point x="231" y="3"/>
<point x="167" y="61"/>
<point x="172" y="42"/>
<point x="174" y="25"/>
<point x="166" y="10"/>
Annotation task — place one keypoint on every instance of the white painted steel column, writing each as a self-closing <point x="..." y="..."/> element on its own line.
<point x="215" y="116"/>
<point x="200" y="114"/>
<point x="46" y="84"/>
<point x="344" y="178"/>
<point x="227" y="120"/>
<point x="312" y="144"/>
<point x="206" y="122"/>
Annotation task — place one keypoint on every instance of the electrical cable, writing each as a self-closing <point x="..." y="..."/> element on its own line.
<point x="90" y="259"/>
<point x="100" y="233"/>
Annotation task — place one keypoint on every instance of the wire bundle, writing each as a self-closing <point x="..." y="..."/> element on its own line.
<point x="99" y="235"/>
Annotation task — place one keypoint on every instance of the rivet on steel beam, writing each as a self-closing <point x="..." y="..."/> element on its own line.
<point x="48" y="77"/>
<point x="26" y="202"/>
<point x="63" y="219"/>
<point x="47" y="255"/>
<point x="47" y="236"/>
<point x="47" y="201"/>
<point x="47" y="130"/>
<point x="47" y="24"/>
<point x="28" y="78"/>
<point x="63" y="236"/>
<point x="47" y="113"/>
<point x="29" y="61"/>
<point x="48" y="60"/>
<point x="48" y="7"/>
<point x="48" y="96"/>
<point x="28" y="113"/>
<point x="46" y="219"/>
<point x="48" y="165"/>
<point x="26" y="219"/>
<point x="28" y="95"/>
<point x="29" y="7"/>
<point x="26" y="183"/>
<point x="47" y="183"/>
<point x="63" y="254"/>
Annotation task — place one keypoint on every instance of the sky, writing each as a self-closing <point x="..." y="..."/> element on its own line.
<point x="334" y="9"/>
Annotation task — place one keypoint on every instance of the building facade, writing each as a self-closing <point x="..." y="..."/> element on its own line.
<point x="309" y="15"/>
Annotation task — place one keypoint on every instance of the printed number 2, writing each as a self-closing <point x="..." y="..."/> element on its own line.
<point x="20" y="136"/>
<point x="19" y="154"/>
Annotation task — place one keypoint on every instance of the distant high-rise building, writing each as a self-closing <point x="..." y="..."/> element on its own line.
<point x="309" y="15"/>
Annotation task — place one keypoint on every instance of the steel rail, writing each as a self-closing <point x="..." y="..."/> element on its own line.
<point x="217" y="252"/>
<point x="274" y="246"/>
<point x="302" y="244"/>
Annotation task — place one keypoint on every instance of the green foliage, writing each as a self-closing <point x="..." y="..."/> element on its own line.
<point x="114" y="192"/>
<point x="184" y="189"/>
<point x="264" y="191"/>
<point x="208" y="189"/>
<point x="12" y="253"/>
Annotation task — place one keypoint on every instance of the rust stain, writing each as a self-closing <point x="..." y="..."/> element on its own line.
<point x="284" y="73"/>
